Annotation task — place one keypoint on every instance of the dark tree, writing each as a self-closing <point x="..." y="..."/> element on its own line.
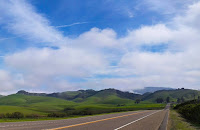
<point x="17" y="115"/>
<point x="159" y="100"/>
<point x="2" y="116"/>
<point x="137" y="101"/>
<point x="167" y="99"/>
<point x="198" y="97"/>
<point x="178" y="100"/>
<point x="194" y="96"/>
<point x="182" y="99"/>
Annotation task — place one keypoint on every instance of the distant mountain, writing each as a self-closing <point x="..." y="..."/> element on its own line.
<point x="113" y="96"/>
<point x="82" y="95"/>
<point x="22" y="92"/>
<point x="68" y="95"/>
<point x="187" y="94"/>
<point x="77" y="96"/>
<point x="150" y="89"/>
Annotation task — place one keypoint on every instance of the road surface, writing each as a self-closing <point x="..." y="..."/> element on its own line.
<point x="137" y="120"/>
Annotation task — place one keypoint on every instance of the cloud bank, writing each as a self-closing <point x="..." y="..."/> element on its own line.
<point x="99" y="58"/>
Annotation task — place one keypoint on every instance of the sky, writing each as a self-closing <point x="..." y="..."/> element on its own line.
<point x="68" y="45"/>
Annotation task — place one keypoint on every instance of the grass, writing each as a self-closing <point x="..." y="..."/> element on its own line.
<point x="176" y="122"/>
<point x="106" y="97"/>
<point x="42" y="106"/>
<point x="35" y="119"/>
<point x="25" y="110"/>
<point x="35" y="103"/>
<point x="50" y="118"/>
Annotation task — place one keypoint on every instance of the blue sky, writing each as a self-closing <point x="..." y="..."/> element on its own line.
<point x="61" y="45"/>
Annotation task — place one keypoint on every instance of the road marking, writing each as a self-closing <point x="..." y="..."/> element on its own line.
<point x="136" y="120"/>
<point x="95" y="121"/>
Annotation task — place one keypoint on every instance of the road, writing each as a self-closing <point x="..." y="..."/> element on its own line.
<point x="137" y="120"/>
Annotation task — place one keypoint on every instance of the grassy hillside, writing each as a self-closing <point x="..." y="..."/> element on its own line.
<point x="109" y="96"/>
<point x="187" y="94"/>
<point x="84" y="102"/>
<point x="38" y="103"/>
<point x="10" y="109"/>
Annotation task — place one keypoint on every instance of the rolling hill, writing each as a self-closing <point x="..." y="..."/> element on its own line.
<point x="107" y="99"/>
<point x="82" y="95"/>
<point x="111" y="96"/>
<point x="187" y="94"/>
<point x="35" y="103"/>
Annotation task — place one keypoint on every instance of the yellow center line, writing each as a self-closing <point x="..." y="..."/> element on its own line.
<point x="95" y="121"/>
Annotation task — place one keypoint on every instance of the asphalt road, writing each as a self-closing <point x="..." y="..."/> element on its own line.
<point x="137" y="120"/>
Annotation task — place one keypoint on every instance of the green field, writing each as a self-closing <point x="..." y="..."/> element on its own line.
<point x="42" y="105"/>
<point x="25" y="110"/>
<point x="36" y="103"/>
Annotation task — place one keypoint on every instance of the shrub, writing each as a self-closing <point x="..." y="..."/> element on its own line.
<point x="2" y="116"/>
<point x="68" y="109"/>
<point x="190" y="110"/>
<point x="33" y="116"/>
<point x="17" y="115"/>
<point x="159" y="100"/>
<point x="56" y="114"/>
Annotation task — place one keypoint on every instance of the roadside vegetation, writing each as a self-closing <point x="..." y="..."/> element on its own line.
<point x="185" y="115"/>
<point x="190" y="110"/>
<point x="177" y="122"/>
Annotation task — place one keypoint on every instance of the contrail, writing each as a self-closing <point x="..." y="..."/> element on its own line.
<point x="61" y="26"/>
<point x="69" y="25"/>
<point x="1" y="39"/>
<point x="6" y="38"/>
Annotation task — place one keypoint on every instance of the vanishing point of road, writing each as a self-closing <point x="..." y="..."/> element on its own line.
<point x="135" y="120"/>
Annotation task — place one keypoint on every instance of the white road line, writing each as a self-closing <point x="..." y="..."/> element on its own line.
<point x="136" y="120"/>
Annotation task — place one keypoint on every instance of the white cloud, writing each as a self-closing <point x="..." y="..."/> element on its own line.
<point x="63" y="61"/>
<point x="155" y="34"/>
<point x="94" y="52"/>
<point x="167" y="6"/>
<point x="9" y="82"/>
<point x="4" y="81"/>
<point x="190" y="18"/>
<point x="23" y="19"/>
<point x="96" y="38"/>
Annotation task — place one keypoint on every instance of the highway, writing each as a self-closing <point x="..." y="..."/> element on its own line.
<point x="135" y="120"/>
